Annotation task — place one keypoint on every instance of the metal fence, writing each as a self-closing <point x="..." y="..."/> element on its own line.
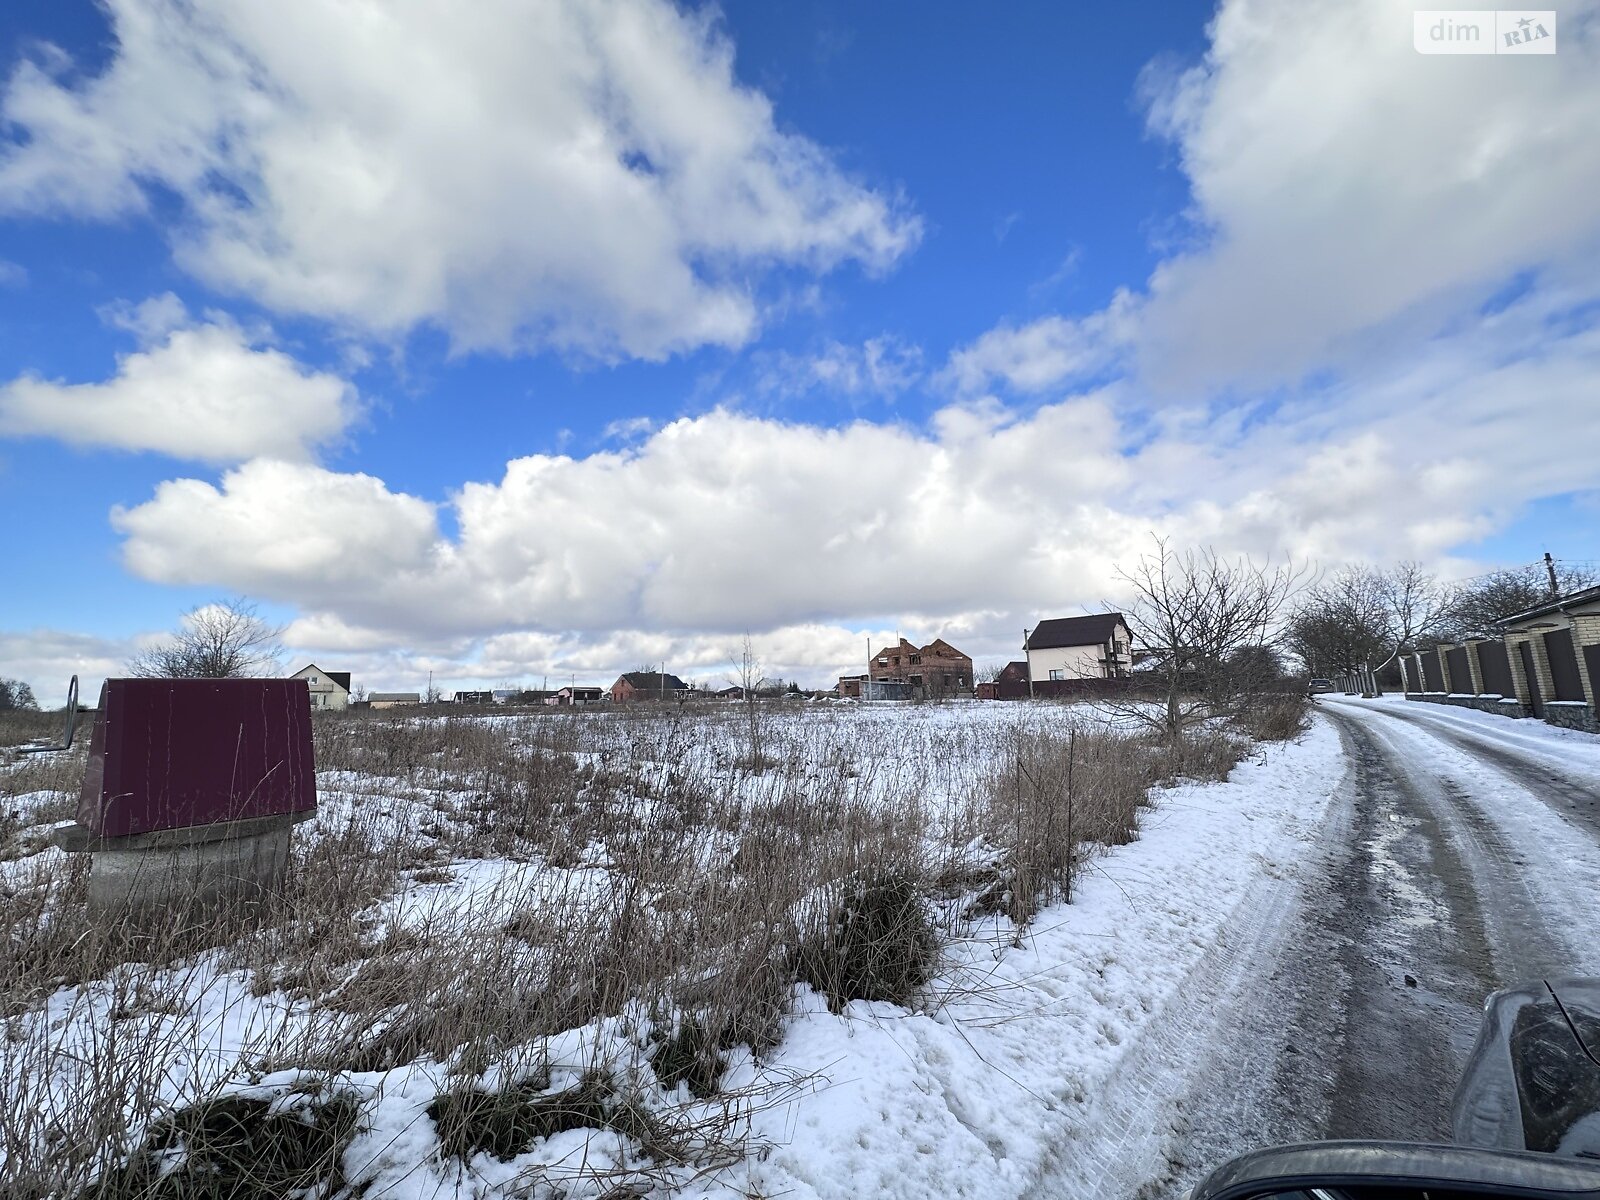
<point x="1510" y="679"/>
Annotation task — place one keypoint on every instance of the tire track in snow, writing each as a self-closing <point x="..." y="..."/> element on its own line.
<point x="1571" y="795"/>
<point x="1122" y="1145"/>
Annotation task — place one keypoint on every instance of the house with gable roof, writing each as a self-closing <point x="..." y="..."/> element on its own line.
<point x="330" y="690"/>
<point x="936" y="669"/>
<point x="1096" y="646"/>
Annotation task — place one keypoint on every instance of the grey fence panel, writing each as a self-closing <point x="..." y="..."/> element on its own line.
<point x="1591" y="659"/>
<point x="1495" y="664"/>
<point x="1432" y="676"/>
<point x="1460" y="669"/>
<point x="1568" y="684"/>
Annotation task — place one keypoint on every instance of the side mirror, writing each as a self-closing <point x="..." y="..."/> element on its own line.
<point x="66" y="734"/>
<point x="1398" y="1171"/>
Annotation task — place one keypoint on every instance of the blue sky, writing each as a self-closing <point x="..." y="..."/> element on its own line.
<point x="561" y="340"/>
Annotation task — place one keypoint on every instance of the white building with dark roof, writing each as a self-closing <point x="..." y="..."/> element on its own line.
<point x="1091" y="647"/>
<point x="330" y="690"/>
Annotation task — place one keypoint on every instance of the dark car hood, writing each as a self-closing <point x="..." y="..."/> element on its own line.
<point x="1533" y="1081"/>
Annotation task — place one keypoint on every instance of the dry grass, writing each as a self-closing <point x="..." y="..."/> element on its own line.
<point x="1279" y="717"/>
<point x="473" y="888"/>
<point x="239" y="1148"/>
<point x="21" y="725"/>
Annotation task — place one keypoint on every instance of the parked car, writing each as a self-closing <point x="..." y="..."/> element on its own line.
<point x="1319" y="687"/>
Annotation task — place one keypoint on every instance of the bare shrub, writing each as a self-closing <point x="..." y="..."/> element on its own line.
<point x="876" y="941"/>
<point x="507" y="1122"/>
<point x="1278" y="718"/>
<point x="240" y="1148"/>
<point x="1054" y="796"/>
<point x="1207" y="755"/>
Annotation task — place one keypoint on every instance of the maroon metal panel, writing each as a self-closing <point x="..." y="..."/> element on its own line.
<point x="170" y="753"/>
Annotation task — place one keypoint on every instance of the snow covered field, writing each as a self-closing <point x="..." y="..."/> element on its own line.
<point x="594" y="922"/>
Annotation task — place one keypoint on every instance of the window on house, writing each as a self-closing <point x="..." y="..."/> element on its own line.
<point x="916" y="659"/>
<point x="1058" y="674"/>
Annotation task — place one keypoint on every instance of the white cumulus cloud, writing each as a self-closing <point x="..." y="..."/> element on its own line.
<point x="199" y="391"/>
<point x="272" y="521"/>
<point x="1047" y="353"/>
<point x="724" y="522"/>
<point x="585" y="175"/>
<point x="1345" y="186"/>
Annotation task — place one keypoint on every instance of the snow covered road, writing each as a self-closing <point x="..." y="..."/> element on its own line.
<point x="1461" y="855"/>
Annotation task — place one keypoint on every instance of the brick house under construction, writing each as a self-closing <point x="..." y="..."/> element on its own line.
<point x="937" y="669"/>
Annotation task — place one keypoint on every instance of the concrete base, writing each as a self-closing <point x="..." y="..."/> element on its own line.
<point x="1571" y="715"/>
<point x="1562" y="713"/>
<point x="209" y="865"/>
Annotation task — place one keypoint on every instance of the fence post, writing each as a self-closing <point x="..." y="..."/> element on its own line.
<point x="1475" y="665"/>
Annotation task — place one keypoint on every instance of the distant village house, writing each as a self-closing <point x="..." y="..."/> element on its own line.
<point x="330" y="690"/>
<point x="648" y="685"/>
<point x="1091" y="647"/>
<point x="577" y="697"/>
<point x="937" y="669"/>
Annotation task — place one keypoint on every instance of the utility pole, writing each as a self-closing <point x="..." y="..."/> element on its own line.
<point x="1550" y="569"/>
<point x="1027" y="662"/>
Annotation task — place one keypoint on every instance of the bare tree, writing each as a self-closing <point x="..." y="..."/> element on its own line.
<point x="225" y="639"/>
<point x="750" y="682"/>
<point x="990" y="672"/>
<point x="1476" y="604"/>
<point x="1342" y="625"/>
<point x="1207" y="629"/>
<point x="1361" y="618"/>
<point x="1417" y="606"/>
<point x="15" y="694"/>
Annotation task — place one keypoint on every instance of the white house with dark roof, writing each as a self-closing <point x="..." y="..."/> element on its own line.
<point x="330" y="690"/>
<point x="1090" y="647"/>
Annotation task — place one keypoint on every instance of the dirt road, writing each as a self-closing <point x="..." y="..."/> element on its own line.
<point x="1462" y="855"/>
